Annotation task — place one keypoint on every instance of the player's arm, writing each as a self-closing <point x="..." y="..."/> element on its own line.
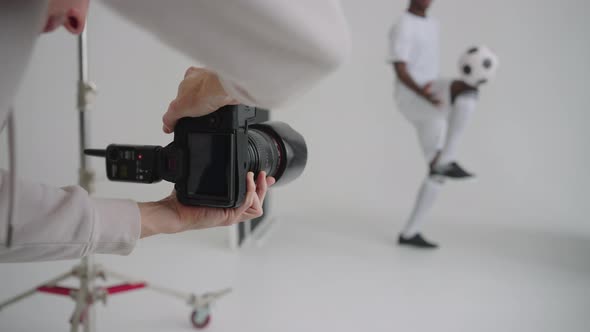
<point x="401" y="39"/>
<point x="404" y="76"/>
<point x="401" y="71"/>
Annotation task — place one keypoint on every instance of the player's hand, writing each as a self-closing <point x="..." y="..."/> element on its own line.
<point x="199" y="93"/>
<point x="427" y="94"/>
<point x="169" y="216"/>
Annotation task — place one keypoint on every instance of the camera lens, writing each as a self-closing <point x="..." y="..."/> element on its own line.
<point x="278" y="150"/>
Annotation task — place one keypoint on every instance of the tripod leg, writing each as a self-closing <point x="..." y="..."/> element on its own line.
<point x="193" y="300"/>
<point x="32" y="291"/>
<point x="115" y="275"/>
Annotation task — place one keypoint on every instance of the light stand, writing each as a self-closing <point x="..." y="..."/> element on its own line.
<point x="87" y="271"/>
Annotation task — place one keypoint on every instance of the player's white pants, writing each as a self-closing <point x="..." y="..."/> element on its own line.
<point x="430" y="121"/>
<point x="432" y="124"/>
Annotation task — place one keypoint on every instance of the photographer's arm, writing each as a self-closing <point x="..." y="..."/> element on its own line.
<point x="62" y="223"/>
<point x="265" y="51"/>
<point x="65" y="223"/>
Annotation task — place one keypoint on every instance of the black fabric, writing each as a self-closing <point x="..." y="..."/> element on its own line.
<point x="417" y="241"/>
<point x="452" y="170"/>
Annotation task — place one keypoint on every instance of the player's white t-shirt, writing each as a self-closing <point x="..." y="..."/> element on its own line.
<point x="415" y="41"/>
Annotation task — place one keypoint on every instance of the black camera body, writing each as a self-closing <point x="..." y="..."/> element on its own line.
<point x="211" y="155"/>
<point x="219" y="180"/>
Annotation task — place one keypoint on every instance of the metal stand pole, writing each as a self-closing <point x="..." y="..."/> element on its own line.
<point x="86" y="91"/>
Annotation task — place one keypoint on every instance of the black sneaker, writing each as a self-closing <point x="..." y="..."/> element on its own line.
<point x="451" y="170"/>
<point x="416" y="241"/>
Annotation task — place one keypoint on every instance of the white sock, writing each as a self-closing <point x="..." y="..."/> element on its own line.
<point x="424" y="201"/>
<point x="460" y="113"/>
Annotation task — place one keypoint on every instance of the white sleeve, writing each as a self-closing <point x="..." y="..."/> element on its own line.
<point x="52" y="223"/>
<point x="266" y="51"/>
<point x="400" y="42"/>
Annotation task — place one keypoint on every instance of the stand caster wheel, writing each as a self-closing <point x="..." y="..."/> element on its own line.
<point x="200" y="320"/>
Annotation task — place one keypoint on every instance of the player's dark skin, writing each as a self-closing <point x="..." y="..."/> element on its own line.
<point x="419" y="7"/>
<point x="459" y="87"/>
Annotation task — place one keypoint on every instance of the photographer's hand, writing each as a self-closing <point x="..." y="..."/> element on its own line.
<point x="199" y="93"/>
<point x="169" y="216"/>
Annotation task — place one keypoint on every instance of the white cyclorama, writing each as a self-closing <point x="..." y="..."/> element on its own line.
<point x="515" y="243"/>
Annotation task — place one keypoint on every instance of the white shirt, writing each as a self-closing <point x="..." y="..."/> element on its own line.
<point x="265" y="52"/>
<point x="415" y="41"/>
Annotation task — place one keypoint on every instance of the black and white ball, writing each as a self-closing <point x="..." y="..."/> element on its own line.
<point x="478" y="65"/>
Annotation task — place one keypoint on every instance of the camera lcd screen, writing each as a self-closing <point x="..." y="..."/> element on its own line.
<point x="210" y="164"/>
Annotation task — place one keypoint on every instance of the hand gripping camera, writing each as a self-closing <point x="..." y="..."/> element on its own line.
<point x="211" y="155"/>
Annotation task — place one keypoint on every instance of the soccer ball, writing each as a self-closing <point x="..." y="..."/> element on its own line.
<point x="478" y="65"/>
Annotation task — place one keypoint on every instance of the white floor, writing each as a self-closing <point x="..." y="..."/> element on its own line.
<point x="338" y="274"/>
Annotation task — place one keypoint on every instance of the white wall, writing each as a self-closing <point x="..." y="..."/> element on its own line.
<point x="527" y="143"/>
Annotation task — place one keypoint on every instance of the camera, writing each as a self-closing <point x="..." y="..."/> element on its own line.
<point x="211" y="155"/>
